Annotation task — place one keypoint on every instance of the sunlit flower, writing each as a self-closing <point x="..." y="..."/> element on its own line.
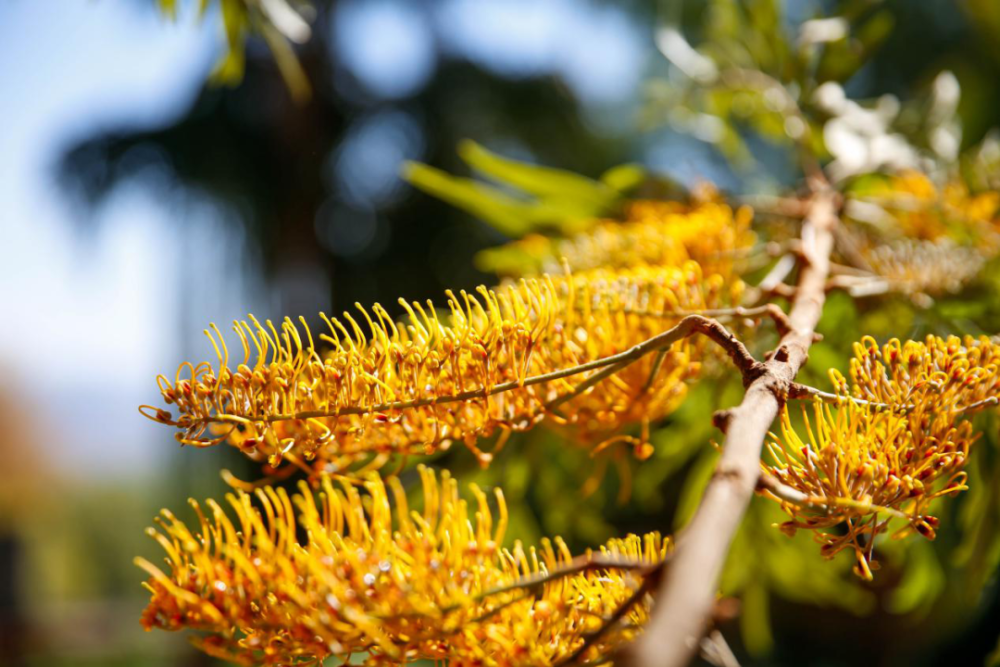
<point x="659" y="233"/>
<point x="355" y="573"/>
<point x="924" y="211"/>
<point x="929" y="240"/>
<point x="934" y="376"/>
<point x="897" y="440"/>
<point x="413" y="388"/>
<point x="918" y="266"/>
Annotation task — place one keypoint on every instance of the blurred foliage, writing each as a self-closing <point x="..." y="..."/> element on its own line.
<point x="278" y="22"/>
<point x="542" y="199"/>
<point x="765" y="74"/>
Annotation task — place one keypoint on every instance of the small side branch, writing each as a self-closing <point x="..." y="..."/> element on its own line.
<point x="587" y="563"/>
<point x="770" y="485"/>
<point x="801" y="391"/>
<point x="648" y="584"/>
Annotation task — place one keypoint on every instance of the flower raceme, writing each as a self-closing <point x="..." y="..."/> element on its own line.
<point x="943" y="376"/>
<point x="937" y="239"/>
<point x="859" y="469"/>
<point x="656" y="233"/>
<point x="923" y="210"/>
<point x="351" y="573"/>
<point x="501" y="360"/>
<point x="896" y="440"/>
<point x="917" y="266"/>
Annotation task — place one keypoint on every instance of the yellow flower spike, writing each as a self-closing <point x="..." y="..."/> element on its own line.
<point x="896" y="439"/>
<point x="657" y="233"/>
<point x="402" y="590"/>
<point x="936" y="239"/>
<point x="418" y="388"/>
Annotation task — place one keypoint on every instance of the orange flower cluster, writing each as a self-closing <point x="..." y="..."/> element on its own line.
<point x="923" y="211"/>
<point x="896" y="441"/>
<point x="370" y="576"/>
<point x="502" y="360"/>
<point x="652" y="233"/>
<point x="939" y="239"/>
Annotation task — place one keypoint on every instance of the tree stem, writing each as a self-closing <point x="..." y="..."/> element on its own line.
<point x="686" y="596"/>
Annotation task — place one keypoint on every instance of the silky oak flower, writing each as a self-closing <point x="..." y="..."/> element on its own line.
<point x="898" y="439"/>
<point x="501" y="360"/>
<point x="293" y="580"/>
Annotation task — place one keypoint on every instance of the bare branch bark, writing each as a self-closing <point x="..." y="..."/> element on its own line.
<point x="687" y="593"/>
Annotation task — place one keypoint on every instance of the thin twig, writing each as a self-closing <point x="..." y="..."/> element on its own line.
<point x="654" y="371"/>
<point x="797" y="391"/>
<point x="715" y="650"/>
<point x="786" y="207"/>
<point x="777" y="274"/>
<point x="648" y="583"/>
<point x="576" y="566"/>
<point x="532" y="583"/>
<point x="772" y="486"/>
<point x="594" y="379"/>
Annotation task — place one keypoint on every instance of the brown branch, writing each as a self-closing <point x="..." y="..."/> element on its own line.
<point x="771" y="486"/>
<point x="749" y="367"/>
<point x="686" y="596"/>
<point x="648" y="584"/>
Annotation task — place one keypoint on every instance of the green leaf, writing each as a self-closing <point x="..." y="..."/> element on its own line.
<point x="543" y="182"/>
<point x="921" y="582"/>
<point x="168" y="8"/>
<point x="507" y="260"/>
<point x="840" y="60"/>
<point x="509" y="215"/>
<point x="554" y="200"/>
<point x="288" y="63"/>
<point x="229" y="69"/>
<point x="625" y="177"/>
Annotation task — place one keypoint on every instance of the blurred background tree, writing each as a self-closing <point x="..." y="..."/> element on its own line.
<point x="279" y="203"/>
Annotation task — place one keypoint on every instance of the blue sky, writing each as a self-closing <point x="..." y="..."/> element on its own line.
<point x="89" y="317"/>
